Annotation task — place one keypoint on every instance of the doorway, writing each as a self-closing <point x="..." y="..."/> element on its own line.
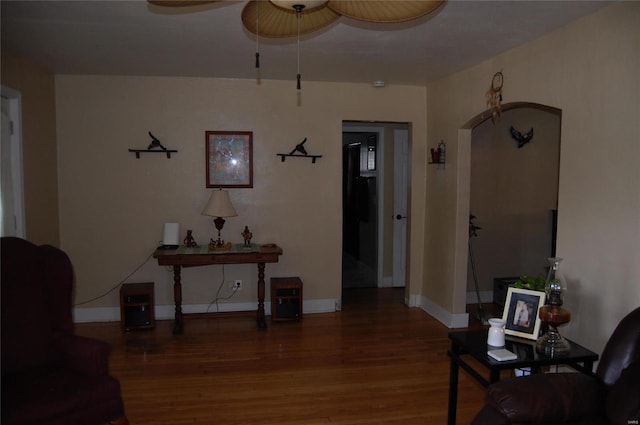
<point x="359" y="210"/>
<point x="375" y="192"/>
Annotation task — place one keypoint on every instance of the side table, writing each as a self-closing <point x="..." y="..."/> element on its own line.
<point x="137" y="306"/>
<point x="286" y="299"/>
<point x="473" y="344"/>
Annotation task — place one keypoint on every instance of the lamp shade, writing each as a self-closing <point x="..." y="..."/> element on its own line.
<point x="219" y="205"/>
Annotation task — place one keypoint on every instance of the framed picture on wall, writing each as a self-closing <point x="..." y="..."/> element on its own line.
<point x="521" y="312"/>
<point x="229" y="157"/>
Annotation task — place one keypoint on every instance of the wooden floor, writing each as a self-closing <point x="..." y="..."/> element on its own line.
<point x="376" y="362"/>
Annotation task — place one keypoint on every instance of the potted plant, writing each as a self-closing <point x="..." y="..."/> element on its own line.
<point x="533" y="283"/>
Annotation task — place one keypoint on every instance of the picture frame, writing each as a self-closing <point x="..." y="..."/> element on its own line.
<point x="521" y="312"/>
<point x="229" y="159"/>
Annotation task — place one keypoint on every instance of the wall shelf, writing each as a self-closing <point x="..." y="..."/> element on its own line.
<point x="285" y="155"/>
<point x="139" y="151"/>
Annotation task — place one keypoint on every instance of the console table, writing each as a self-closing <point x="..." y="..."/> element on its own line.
<point x="201" y="256"/>
<point x="473" y="343"/>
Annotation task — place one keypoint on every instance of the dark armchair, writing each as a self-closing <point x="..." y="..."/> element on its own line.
<point x="49" y="375"/>
<point x="611" y="396"/>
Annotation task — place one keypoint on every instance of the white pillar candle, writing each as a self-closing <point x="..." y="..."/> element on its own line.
<point x="171" y="234"/>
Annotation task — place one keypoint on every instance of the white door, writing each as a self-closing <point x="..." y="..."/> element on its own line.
<point x="400" y="176"/>
<point x="11" y="187"/>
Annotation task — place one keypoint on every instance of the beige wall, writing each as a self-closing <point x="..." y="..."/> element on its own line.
<point x="113" y="205"/>
<point x="589" y="69"/>
<point x="37" y="88"/>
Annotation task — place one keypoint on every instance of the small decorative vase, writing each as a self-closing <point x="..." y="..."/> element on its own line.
<point x="435" y="156"/>
<point x="495" y="336"/>
<point x="553" y="314"/>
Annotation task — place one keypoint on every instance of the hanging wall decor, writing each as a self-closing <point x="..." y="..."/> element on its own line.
<point x="301" y="152"/>
<point x="494" y="96"/>
<point x="154" y="147"/>
<point x="522" y="139"/>
<point x="229" y="156"/>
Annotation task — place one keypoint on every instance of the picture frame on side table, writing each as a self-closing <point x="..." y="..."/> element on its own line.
<point x="229" y="156"/>
<point x="521" y="312"/>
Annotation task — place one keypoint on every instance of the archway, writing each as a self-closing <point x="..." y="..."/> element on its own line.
<point x="463" y="196"/>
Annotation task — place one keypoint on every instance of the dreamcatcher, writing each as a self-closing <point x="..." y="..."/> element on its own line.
<point x="494" y="96"/>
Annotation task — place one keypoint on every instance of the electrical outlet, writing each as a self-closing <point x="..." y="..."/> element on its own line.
<point x="237" y="285"/>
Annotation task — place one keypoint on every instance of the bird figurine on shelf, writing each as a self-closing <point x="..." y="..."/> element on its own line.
<point x="300" y="148"/>
<point x="520" y="138"/>
<point x="299" y="152"/>
<point x="155" y="143"/>
<point x="247" y="235"/>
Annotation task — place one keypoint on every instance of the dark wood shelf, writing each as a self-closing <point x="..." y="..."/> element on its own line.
<point x="285" y="155"/>
<point x="139" y="151"/>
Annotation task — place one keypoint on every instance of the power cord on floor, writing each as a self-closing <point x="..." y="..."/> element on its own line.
<point x="117" y="286"/>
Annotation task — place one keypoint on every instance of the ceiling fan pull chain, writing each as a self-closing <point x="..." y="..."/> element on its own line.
<point x="257" y="34"/>
<point x="298" y="14"/>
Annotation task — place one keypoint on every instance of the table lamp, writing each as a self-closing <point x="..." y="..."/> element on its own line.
<point x="219" y="206"/>
<point x="553" y="314"/>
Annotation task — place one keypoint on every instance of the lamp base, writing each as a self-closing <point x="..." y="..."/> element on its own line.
<point x="552" y="344"/>
<point x="219" y="245"/>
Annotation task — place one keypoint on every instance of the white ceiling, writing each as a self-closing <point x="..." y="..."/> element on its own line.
<point x="135" y="38"/>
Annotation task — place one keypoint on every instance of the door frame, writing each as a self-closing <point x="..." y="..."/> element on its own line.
<point x="12" y="99"/>
<point x="379" y="128"/>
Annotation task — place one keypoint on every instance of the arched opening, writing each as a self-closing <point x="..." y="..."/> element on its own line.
<point x="516" y="205"/>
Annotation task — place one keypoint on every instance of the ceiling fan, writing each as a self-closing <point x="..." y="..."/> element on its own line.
<point x="289" y="18"/>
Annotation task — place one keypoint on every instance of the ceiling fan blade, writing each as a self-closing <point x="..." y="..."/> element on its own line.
<point x="274" y="21"/>
<point x="381" y="11"/>
<point x="180" y="3"/>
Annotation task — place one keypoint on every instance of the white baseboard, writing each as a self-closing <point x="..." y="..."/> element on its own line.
<point x="318" y="306"/>
<point x="445" y="317"/>
<point x="413" y="300"/>
<point x="387" y="282"/>
<point x="167" y="312"/>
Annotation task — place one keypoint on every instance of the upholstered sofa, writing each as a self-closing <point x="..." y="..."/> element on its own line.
<point x="611" y="396"/>
<point x="50" y="376"/>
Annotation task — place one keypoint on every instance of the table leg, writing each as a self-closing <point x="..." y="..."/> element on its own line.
<point x="178" y="325"/>
<point x="588" y="367"/>
<point x="262" y="321"/>
<point x="453" y="386"/>
<point x="494" y="375"/>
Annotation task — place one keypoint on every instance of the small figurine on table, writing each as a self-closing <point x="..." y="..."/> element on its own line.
<point x="247" y="235"/>
<point x="189" y="241"/>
